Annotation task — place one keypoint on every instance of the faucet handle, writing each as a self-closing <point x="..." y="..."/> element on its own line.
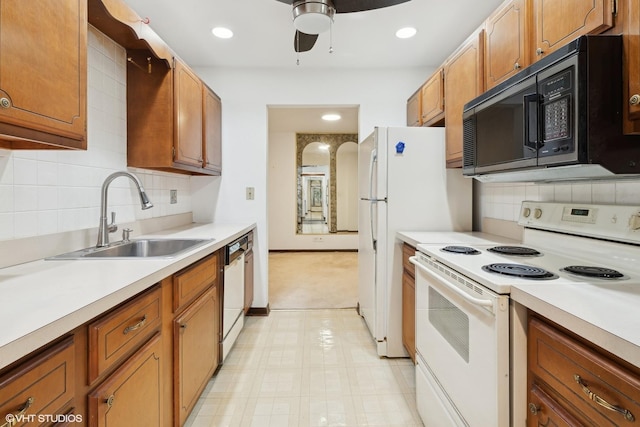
<point x="112" y="228"/>
<point x="125" y="234"/>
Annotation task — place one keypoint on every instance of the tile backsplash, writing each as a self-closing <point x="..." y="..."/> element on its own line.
<point x="502" y="201"/>
<point x="52" y="191"/>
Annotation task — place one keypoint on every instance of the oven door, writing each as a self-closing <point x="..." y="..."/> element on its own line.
<point x="462" y="338"/>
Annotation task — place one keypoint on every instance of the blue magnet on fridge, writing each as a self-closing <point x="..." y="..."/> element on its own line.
<point x="400" y="147"/>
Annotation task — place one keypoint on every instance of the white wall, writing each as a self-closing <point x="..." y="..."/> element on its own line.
<point x="381" y="96"/>
<point x="52" y="191"/>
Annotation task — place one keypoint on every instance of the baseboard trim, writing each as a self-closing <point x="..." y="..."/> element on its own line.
<point x="259" y="311"/>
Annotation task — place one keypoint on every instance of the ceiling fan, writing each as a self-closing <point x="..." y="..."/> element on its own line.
<point x="312" y="17"/>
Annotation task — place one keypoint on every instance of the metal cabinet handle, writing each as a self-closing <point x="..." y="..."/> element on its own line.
<point x="138" y="325"/>
<point x="110" y="400"/>
<point x="13" y="419"/>
<point x="516" y="66"/>
<point x="539" y="51"/>
<point x="600" y="401"/>
<point x="5" y="103"/>
<point x="534" y="409"/>
<point x="634" y="100"/>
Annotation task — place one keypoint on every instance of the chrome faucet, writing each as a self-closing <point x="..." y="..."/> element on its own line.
<point x="104" y="228"/>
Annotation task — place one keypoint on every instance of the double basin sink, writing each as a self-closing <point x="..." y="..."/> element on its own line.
<point x="137" y="248"/>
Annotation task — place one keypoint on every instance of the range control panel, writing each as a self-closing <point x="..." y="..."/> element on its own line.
<point x="617" y="222"/>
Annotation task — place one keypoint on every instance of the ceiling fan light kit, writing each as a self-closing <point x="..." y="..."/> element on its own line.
<point x="313" y="17"/>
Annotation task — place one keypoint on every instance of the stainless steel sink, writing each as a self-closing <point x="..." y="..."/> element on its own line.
<point x="139" y="248"/>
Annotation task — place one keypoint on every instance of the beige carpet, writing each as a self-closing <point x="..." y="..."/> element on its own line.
<point x="308" y="280"/>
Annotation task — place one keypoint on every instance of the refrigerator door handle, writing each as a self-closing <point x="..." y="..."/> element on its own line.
<point x="372" y="160"/>
<point x="374" y="241"/>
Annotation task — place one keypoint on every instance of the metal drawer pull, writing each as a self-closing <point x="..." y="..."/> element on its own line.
<point x="138" y="325"/>
<point x="600" y="401"/>
<point x="13" y="419"/>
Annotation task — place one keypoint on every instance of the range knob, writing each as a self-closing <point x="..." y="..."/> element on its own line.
<point x="537" y="213"/>
<point x="526" y="212"/>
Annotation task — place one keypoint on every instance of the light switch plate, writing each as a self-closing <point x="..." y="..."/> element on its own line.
<point x="173" y="197"/>
<point x="250" y="193"/>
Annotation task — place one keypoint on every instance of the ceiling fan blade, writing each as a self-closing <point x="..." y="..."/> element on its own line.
<point x="346" y="6"/>
<point x="303" y="42"/>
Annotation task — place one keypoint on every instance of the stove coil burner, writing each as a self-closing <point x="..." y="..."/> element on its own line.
<point x="464" y="250"/>
<point x="514" y="250"/>
<point x="519" y="270"/>
<point x="589" y="271"/>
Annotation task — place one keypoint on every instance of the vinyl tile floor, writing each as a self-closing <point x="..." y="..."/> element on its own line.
<point x="308" y="368"/>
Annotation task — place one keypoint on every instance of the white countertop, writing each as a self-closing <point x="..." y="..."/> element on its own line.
<point x="414" y="238"/>
<point x="604" y="314"/>
<point x="44" y="299"/>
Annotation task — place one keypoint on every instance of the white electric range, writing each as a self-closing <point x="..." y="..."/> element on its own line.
<point x="462" y="301"/>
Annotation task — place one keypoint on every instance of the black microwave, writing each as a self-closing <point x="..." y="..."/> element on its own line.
<point x="564" y="110"/>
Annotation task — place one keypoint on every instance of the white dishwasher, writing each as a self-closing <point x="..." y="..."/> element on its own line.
<point x="233" y="293"/>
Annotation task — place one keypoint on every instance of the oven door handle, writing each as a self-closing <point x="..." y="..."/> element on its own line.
<point x="465" y="296"/>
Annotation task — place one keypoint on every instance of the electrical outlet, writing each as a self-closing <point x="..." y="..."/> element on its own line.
<point x="250" y="193"/>
<point x="173" y="196"/>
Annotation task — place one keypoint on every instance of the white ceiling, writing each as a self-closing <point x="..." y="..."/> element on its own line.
<point x="309" y="119"/>
<point x="264" y="33"/>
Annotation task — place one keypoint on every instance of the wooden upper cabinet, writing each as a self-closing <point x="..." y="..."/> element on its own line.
<point x="43" y="74"/>
<point x="506" y="44"/>
<point x="463" y="81"/>
<point x="432" y="100"/>
<point x="167" y="117"/>
<point x="558" y="22"/>
<point x="413" y="110"/>
<point x="212" y="130"/>
<point x="188" y="116"/>
<point x="631" y="40"/>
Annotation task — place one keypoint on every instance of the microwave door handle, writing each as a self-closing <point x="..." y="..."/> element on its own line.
<point x="531" y="104"/>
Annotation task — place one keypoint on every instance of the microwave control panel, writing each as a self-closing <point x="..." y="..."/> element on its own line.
<point x="556" y="94"/>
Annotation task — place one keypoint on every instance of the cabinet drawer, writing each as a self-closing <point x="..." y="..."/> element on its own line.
<point x="43" y="385"/>
<point x="192" y="281"/>
<point x="407" y="252"/>
<point x="582" y="378"/>
<point x="120" y="332"/>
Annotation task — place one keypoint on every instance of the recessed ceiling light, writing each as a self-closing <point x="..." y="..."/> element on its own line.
<point x="222" y="32"/>
<point x="331" y="117"/>
<point x="406" y="33"/>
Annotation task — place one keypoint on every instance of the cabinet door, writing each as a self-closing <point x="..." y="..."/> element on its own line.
<point x="463" y="81"/>
<point x="632" y="73"/>
<point x="188" y="116"/>
<point x="132" y="395"/>
<point x="432" y="99"/>
<point x="413" y="110"/>
<point x="43" y="73"/>
<point x="545" y="411"/>
<point x="409" y="314"/>
<point x="557" y="22"/>
<point x="196" y="355"/>
<point x="505" y="51"/>
<point x="212" y="131"/>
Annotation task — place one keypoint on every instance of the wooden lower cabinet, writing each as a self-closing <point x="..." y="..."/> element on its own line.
<point x="196" y="351"/>
<point x="132" y="395"/>
<point x="572" y="382"/>
<point x="408" y="301"/>
<point x="248" y="280"/>
<point x="40" y="388"/>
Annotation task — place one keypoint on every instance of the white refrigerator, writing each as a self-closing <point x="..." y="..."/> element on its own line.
<point x="403" y="184"/>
